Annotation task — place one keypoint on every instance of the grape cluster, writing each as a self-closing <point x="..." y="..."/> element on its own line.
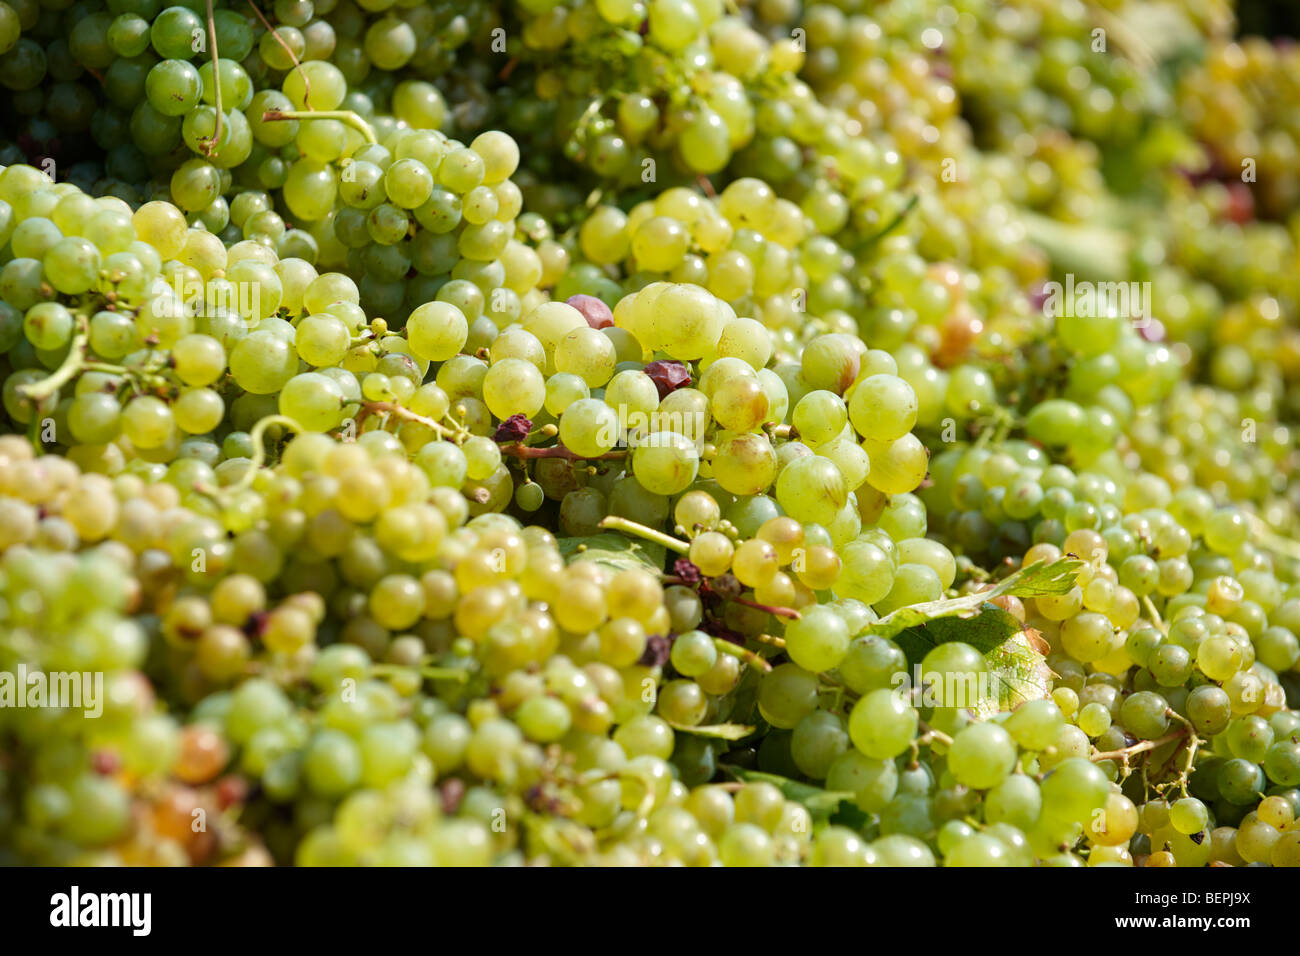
<point x="636" y="433"/>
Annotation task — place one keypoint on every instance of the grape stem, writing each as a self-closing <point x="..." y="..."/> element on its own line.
<point x="210" y="144"/>
<point x="520" y="450"/>
<point x="892" y="224"/>
<point x="343" y="116"/>
<point x="1155" y="615"/>
<point x="1271" y="540"/>
<point x="397" y="411"/>
<point x="775" y="430"/>
<point x="580" y="128"/>
<point x="297" y="65"/>
<point x="745" y="654"/>
<point x="1191" y="749"/>
<point x="778" y="610"/>
<point x="1140" y="747"/>
<point x="641" y="531"/>
<point x="428" y="673"/>
<point x="786" y="612"/>
<point x="73" y="363"/>
<point x="929" y="734"/>
<point x="256" y="438"/>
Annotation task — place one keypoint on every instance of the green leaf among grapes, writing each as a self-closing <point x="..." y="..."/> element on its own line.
<point x="614" y="551"/>
<point x="740" y="707"/>
<point x="985" y="631"/>
<point x="720" y="731"/>
<point x="1036" y="580"/>
<point x="1041" y="578"/>
<point x="820" y="803"/>
<point x="1017" y="673"/>
<point x="1091" y="252"/>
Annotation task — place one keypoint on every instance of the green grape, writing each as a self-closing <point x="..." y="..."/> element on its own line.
<point x="872" y="662"/>
<point x="872" y="782"/>
<point x="173" y="87"/>
<point x="912" y="584"/>
<point x="1249" y="738"/>
<point x="704" y="142"/>
<point x="263" y="362"/>
<point x="981" y="756"/>
<point x="811" y="490"/>
<point x="72" y="265"/>
<point x="332" y="763"/>
<point x="818" y="640"/>
<point x="95" y="418"/>
<point x="745" y="464"/>
<point x="234" y="82"/>
<point x="48" y="325"/>
<point x="1094" y="719"/>
<point x="883" y="408"/>
<point x="786" y="695"/>
<point x="147" y="422"/>
<point x="437" y="330"/>
<point x="898" y="466"/>
<point x="309" y="189"/>
<point x="322" y="340"/>
<point x="482" y="457"/>
<point x="819" y="739"/>
<point x="1016" y="800"/>
<point x="694" y="654"/>
<point x="673" y="24"/>
<point x="34" y="237"/>
<point x="586" y="353"/>
<point x="1072" y="791"/>
<point x="683" y="703"/>
<point x="543" y="719"/>
<point x="589" y="428"/>
<point x="664" y="462"/>
<point x="514" y="387"/>
<point x="408" y="183"/>
<point x="1144" y="715"/>
<point x="563" y="390"/>
<point x="867" y="574"/>
<point x="882" y="724"/>
<point x="173" y="32"/>
<point x="198" y="410"/>
<point x="1240" y="781"/>
<point x="313" y="400"/>
<point x="1188" y="815"/>
<point x="420" y="104"/>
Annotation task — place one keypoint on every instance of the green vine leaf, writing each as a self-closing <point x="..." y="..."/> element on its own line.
<point x="820" y="803"/>
<point x="985" y="631"/>
<point x="720" y="731"/>
<point x="615" y="551"/>
<point x="1038" y="579"/>
<point x="1017" y="673"/>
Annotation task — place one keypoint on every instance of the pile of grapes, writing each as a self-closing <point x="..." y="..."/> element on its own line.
<point x="648" y="432"/>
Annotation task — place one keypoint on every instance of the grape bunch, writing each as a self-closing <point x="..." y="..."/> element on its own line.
<point x="644" y="433"/>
